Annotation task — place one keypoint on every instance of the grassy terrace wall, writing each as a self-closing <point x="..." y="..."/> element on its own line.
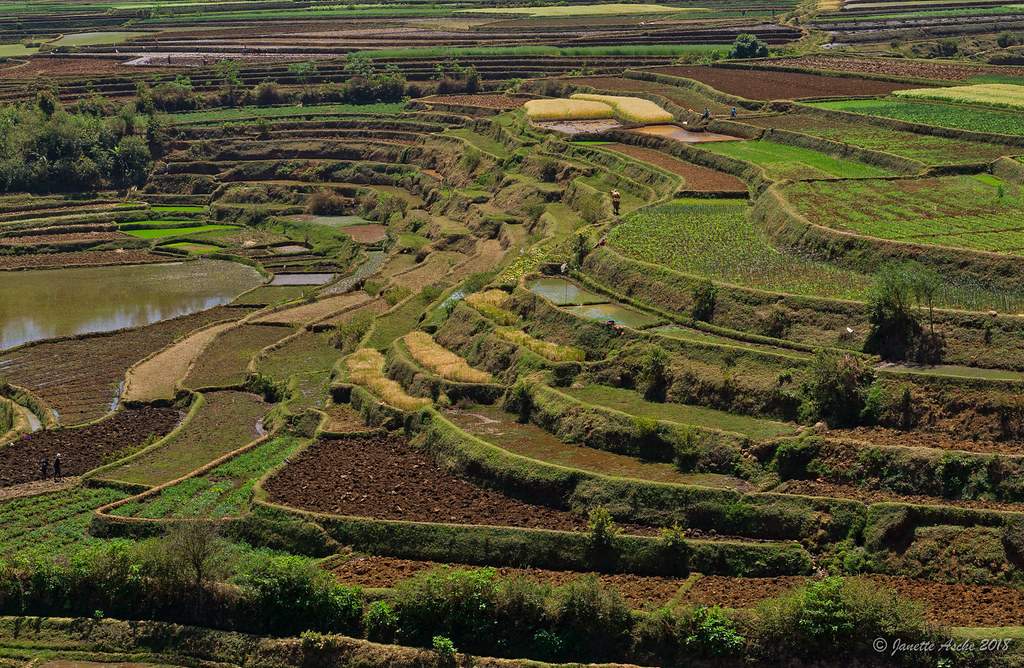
<point x="791" y="230"/>
<point x="971" y="338"/>
<point x="726" y="511"/>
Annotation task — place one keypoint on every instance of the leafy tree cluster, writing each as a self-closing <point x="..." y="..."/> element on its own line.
<point x="902" y="298"/>
<point x="748" y="46"/>
<point x="45" y="147"/>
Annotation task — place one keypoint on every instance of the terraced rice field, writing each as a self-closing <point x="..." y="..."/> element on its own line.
<point x="770" y="85"/>
<point x="224" y="362"/>
<point x="781" y="161"/>
<point x="226" y="421"/>
<point x="928" y="149"/>
<point x="975" y="212"/>
<point x="962" y="117"/>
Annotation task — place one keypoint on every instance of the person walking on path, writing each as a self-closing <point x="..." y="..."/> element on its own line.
<point x="56" y="468"/>
<point x="616" y="199"/>
<point x="44" y="468"/>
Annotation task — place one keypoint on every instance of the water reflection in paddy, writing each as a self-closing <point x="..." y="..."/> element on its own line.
<point x="44" y="304"/>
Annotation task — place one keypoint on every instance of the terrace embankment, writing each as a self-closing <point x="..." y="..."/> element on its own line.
<point x="80" y="378"/>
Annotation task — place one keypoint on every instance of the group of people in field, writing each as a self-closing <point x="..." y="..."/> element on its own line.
<point x="44" y="468"/>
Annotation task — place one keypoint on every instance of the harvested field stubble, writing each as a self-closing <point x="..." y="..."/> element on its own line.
<point x="381" y="476"/>
<point x="567" y="110"/>
<point x="157" y="377"/>
<point x="631" y="109"/>
<point x="366" y="367"/>
<point x="84" y="448"/>
<point x="441" y="361"/>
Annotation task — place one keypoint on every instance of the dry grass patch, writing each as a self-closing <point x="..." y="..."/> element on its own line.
<point x="442" y="361"/>
<point x="157" y="377"/>
<point x="632" y="109"/>
<point x="366" y="367"/>
<point x="491" y="304"/>
<point x="567" y="110"/>
<point x="546" y="349"/>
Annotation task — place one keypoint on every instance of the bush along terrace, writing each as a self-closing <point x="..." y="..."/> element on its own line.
<point x="441" y="348"/>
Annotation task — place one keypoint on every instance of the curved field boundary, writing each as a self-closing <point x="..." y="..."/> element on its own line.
<point x="494" y="545"/>
<point x="770" y="516"/>
<point x="93" y="477"/>
<point x="680" y="113"/>
<point x="154" y="365"/>
<point x="32" y="403"/>
<point x="790" y="229"/>
<point x="400" y="365"/>
<point x="754" y="176"/>
<point x="906" y="126"/>
<point x="551" y="408"/>
<point x="106" y="525"/>
<point x="741" y="337"/>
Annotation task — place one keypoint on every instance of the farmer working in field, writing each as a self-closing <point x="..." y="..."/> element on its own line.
<point x="56" y="468"/>
<point x="44" y="468"/>
<point x="616" y="198"/>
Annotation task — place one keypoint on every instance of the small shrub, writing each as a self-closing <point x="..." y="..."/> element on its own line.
<point x="602" y="531"/>
<point x="325" y="203"/>
<point x="704" y="297"/>
<point x="836" y="389"/>
<point x="445" y="649"/>
<point x="380" y="622"/>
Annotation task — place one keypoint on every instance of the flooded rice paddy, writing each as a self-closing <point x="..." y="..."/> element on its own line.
<point x="44" y="304"/>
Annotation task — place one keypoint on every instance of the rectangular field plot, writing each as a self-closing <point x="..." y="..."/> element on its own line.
<point x="955" y="116"/>
<point x="927" y="149"/>
<point x="684" y="97"/>
<point x="630" y="402"/>
<point x="1008" y="96"/>
<point x="979" y="212"/>
<point x="224" y="491"/>
<point x="226" y="422"/>
<point x="781" y="161"/>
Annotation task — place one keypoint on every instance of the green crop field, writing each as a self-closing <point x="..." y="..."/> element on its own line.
<point x="225" y="422"/>
<point x="580" y="10"/>
<point x="49" y="523"/>
<point x="781" y="161"/>
<point x="962" y="117"/>
<point x="979" y="212"/>
<point x="928" y="149"/>
<point x="222" y="115"/>
<point x="718" y="241"/>
<point x="223" y="491"/>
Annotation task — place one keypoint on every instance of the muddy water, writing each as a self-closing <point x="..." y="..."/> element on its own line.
<point x="44" y="304"/>
<point x="563" y="292"/>
<point x="301" y="279"/>
<point x="620" y="315"/>
<point x="681" y="134"/>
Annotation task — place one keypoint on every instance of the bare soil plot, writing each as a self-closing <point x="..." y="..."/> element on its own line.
<point x="342" y="418"/>
<point x="57" y="239"/>
<point x="79" y="259"/>
<point x="929" y="439"/>
<point x="226" y="422"/>
<point x="381" y="476"/>
<point x="948" y="604"/>
<point x="775" y="85"/>
<point x="39" y="68"/>
<point x="84" y="448"/>
<point x="367" y="234"/>
<point x="900" y="67"/>
<point x="157" y="377"/>
<point x="223" y="363"/>
<point x="80" y="378"/>
<point x="578" y="127"/>
<point x="378" y="572"/>
<point x="695" y="177"/>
